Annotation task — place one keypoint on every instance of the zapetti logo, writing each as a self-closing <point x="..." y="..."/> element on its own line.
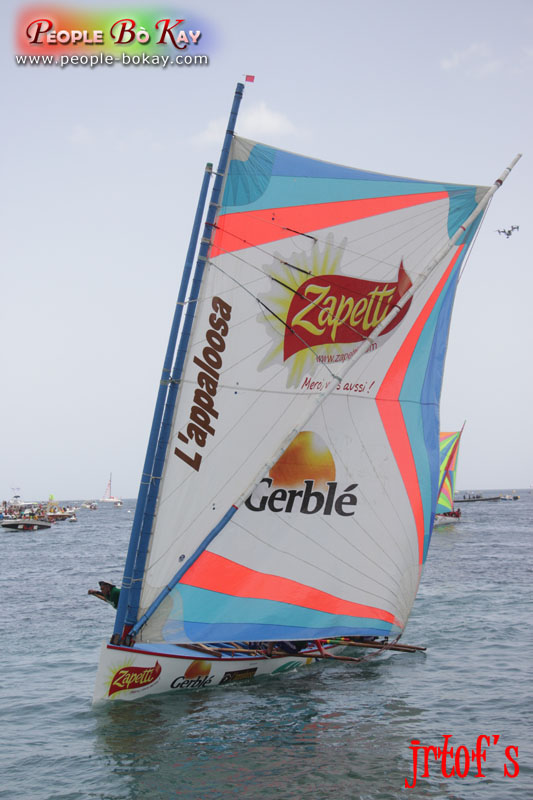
<point x="327" y="316"/>
<point x="335" y="308"/>
<point x="127" y="678"/>
<point x="306" y="463"/>
<point x="203" y="410"/>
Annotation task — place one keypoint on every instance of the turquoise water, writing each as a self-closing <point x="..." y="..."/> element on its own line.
<point x="330" y="731"/>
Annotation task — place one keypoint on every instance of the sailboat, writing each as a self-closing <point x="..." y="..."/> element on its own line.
<point x="290" y="481"/>
<point x="108" y="494"/>
<point x="445" y="513"/>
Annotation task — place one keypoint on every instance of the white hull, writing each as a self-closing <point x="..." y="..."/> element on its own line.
<point x="441" y="519"/>
<point x="126" y="673"/>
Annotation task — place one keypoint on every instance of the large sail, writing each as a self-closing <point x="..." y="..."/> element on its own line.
<point x="301" y="477"/>
<point x="449" y="452"/>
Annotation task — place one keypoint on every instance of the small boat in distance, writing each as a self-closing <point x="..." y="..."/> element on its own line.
<point x="286" y="503"/>
<point x="474" y="497"/>
<point x="26" y="524"/>
<point x="56" y="513"/>
<point x="445" y="513"/>
<point x="108" y="495"/>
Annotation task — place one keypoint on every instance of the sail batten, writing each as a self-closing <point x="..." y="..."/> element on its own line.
<point x="301" y="472"/>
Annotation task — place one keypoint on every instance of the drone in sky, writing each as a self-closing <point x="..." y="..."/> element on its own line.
<point x="508" y="231"/>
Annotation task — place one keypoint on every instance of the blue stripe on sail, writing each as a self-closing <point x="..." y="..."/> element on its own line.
<point x="462" y="203"/>
<point x="286" y="192"/>
<point x="210" y="616"/>
<point x="422" y="384"/>
<point x="253" y="632"/>
<point x="297" y="166"/>
<point x="247" y="180"/>
<point x="272" y="178"/>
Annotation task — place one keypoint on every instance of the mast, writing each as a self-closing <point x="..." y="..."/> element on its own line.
<point x="159" y="406"/>
<point x="321" y="397"/>
<point x="128" y="607"/>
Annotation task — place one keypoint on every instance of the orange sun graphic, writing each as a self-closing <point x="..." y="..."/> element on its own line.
<point x="198" y="668"/>
<point x="306" y="458"/>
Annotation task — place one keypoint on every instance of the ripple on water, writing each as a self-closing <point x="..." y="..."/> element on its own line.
<point x="326" y="732"/>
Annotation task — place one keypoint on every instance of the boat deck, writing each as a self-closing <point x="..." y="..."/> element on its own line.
<point x="213" y="650"/>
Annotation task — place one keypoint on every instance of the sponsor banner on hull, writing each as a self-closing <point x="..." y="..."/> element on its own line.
<point x="128" y="678"/>
<point x="238" y="675"/>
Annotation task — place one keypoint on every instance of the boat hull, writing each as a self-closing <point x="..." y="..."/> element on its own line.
<point x="26" y="525"/>
<point x="441" y="519"/>
<point x="126" y="673"/>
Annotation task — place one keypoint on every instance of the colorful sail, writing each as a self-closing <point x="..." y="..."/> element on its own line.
<point x="449" y="452"/>
<point x="297" y="496"/>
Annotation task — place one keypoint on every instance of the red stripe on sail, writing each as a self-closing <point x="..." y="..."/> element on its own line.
<point x="218" y="574"/>
<point x="251" y="228"/>
<point x="391" y="412"/>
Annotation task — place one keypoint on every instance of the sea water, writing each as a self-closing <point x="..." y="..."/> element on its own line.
<point x="334" y="730"/>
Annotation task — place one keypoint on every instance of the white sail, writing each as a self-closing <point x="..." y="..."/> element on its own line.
<point x="308" y="258"/>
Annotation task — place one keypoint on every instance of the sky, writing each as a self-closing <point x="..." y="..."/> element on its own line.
<point x="101" y="170"/>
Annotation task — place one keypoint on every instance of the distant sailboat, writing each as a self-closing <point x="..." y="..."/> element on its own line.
<point x="445" y="512"/>
<point x="108" y="495"/>
<point x="286" y="503"/>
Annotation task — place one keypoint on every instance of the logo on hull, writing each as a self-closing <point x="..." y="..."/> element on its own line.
<point x="196" y="676"/>
<point x="238" y="675"/>
<point x="128" y="678"/>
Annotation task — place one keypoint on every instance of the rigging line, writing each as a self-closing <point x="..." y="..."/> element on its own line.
<point x="425" y="210"/>
<point x="372" y="355"/>
<point x="256" y="247"/>
<point x="231" y="277"/>
<point x="314" y="303"/>
<point x="414" y="245"/>
<point x="414" y="555"/>
<point x="335" y="576"/>
<point x="427" y="213"/>
<point x="435" y="214"/>
<point x="429" y="236"/>
<point x="350" y="545"/>
<point x="278" y="226"/>
<point x="260" y="388"/>
<point x="471" y="246"/>
<point x="300" y="233"/>
<point x="423" y="241"/>
<point x="345" y="539"/>
<point x="229" y="477"/>
<point x="220" y="442"/>
<point x="432" y="235"/>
